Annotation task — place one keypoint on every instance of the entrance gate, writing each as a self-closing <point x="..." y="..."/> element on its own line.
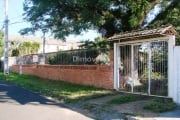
<point x="143" y="68"/>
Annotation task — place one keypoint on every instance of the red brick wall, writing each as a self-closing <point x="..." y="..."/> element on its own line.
<point x="95" y="75"/>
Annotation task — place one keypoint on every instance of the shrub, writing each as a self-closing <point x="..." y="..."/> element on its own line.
<point x="80" y="57"/>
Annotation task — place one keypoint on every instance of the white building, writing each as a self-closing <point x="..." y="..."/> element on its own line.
<point x="51" y="45"/>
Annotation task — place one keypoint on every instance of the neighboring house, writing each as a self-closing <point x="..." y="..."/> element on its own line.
<point x="51" y="45"/>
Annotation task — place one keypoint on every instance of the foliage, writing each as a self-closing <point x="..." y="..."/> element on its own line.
<point x="1" y="43"/>
<point x="125" y="98"/>
<point x="80" y="57"/>
<point x="159" y="69"/>
<point x="171" y="15"/>
<point x="154" y="75"/>
<point x="23" y="48"/>
<point x="102" y="58"/>
<point x="159" y="54"/>
<point x="57" y="89"/>
<point x="98" y="43"/>
<point x="160" y="105"/>
<point x="64" y="17"/>
<point x="15" y="52"/>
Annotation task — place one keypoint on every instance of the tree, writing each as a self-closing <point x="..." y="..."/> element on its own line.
<point x="171" y="15"/>
<point x="35" y="47"/>
<point x="98" y="43"/>
<point x="23" y="48"/>
<point x="13" y="48"/>
<point x="64" y="17"/>
<point x="1" y="43"/>
<point x="29" y="48"/>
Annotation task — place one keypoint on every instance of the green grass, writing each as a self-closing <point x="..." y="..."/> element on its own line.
<point x="125" y="98"/>
<point x="60" y="90"/>
<point x="160" y="105"/>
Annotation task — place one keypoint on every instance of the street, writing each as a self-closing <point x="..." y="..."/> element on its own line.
<point x="17" y="103"/>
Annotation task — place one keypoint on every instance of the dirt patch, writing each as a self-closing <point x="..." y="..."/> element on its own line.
<point x="134" y="110"/>
<point x="102" y="100"/>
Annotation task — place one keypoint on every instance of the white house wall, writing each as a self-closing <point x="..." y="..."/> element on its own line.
<point x="177" y="73"/>
<point x="172" y="83"/>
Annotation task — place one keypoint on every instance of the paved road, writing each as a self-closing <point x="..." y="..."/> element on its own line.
<point x="20" y="104"/>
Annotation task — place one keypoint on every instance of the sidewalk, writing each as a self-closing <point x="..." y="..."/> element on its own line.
<point x="175" y="114"/>
<point x="136" y="108"/>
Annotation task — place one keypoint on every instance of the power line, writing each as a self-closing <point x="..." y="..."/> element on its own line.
<point x="2" y="27"/>
<point x="8" y="19"/>
<point x="19" y="16"/>
<point x="16" y="22"/>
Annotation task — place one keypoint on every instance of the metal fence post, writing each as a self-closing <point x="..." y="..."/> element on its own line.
<point x="149" y="68"/>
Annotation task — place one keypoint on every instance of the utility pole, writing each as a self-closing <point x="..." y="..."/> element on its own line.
<point x="6" y="68"/>
<point x="44" y="40"/>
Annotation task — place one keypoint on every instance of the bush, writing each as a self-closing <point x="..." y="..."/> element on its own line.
<point x="80" y="57"/>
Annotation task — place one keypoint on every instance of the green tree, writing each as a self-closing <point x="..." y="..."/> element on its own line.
<point x="99" y="42"/>
<point x="64" y="17"/>
<point x="13" y="48"/>
<point x="171" y="15"/>
<point x="29" y="48"/>
<point x="1" y="43"/>
<point x="35" y="47"/>
<point x="23" y="48"/>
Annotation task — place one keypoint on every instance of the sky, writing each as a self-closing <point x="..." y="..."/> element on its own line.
<point x="16" y="23"/>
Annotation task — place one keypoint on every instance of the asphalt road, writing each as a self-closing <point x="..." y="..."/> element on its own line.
<point x="17" y="103"/>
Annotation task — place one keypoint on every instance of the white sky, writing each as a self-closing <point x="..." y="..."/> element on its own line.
<point x="152" y="14"/>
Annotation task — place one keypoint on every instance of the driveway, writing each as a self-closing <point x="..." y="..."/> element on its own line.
<point x="17" y="103"/>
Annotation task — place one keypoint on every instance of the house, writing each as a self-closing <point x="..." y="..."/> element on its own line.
<point x="51" y="45"/>
<point x="142" y="62"/>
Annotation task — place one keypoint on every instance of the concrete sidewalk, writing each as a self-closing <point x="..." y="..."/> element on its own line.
<point x="171" y="115"/>
<point x="174" y="114"/>
<point x="17" y="103"/>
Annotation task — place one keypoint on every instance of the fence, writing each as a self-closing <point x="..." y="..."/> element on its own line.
<point x="143" y="68"/>
<point x="100" y="75"/>
<point x="81" y="57"/>
<point x="69" y="57"/>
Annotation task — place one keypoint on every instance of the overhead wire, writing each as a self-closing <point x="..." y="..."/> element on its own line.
<point x="2" y="27"/>
<point x="16" y="22"/>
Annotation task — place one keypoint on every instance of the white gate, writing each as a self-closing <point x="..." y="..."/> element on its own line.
<point x="147" y="64"/>
<point x="143" y="68"/>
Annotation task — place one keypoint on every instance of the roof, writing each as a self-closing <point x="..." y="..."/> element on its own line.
<point x="49" y="41"/>
<point x="144" y="34"/>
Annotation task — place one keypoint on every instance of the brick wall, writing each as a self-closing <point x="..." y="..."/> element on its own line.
<point x="95" y="75"/>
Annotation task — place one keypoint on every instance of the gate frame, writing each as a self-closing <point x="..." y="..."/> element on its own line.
<point x="167" y="33"/>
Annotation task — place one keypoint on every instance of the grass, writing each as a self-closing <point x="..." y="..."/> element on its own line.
<point x="157" y="105"/>
<point x="60" y="90"/>
<point x="160" y="105"/>
<point x="125" y="98"/>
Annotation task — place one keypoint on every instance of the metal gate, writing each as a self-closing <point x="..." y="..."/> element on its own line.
<point x="143" y="68"/>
